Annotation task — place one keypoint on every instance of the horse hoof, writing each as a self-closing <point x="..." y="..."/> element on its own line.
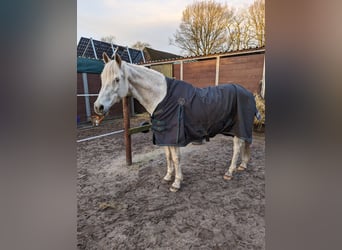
<point x="173" y="189"/>
<point x="167" y="179"/>
<point x="227" y="177"/>
<point x="241" y="168"/>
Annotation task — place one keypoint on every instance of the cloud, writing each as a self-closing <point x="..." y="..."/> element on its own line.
<point x="151" y="21"/>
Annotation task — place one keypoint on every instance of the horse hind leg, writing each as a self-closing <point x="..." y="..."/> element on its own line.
<point x="245" y="156"/>
<point x="238" y="143"/>
<point x="175" y="154"/>
<point x="169" y="163"/>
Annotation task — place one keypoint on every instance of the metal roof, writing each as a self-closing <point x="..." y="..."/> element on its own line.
<point x="202" y="57"/>
<point x="90" y="48"/>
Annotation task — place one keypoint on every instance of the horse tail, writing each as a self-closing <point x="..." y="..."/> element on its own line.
<point x="257" y="98"/>
<point x="258" y="115"/>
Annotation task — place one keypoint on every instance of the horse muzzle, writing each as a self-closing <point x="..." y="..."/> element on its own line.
<point x="100" y="109"/>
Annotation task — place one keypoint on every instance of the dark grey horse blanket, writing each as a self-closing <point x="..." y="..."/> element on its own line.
<point x="189" y="114"/>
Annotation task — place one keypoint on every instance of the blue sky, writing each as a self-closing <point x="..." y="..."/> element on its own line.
<point x="151" y="21"/>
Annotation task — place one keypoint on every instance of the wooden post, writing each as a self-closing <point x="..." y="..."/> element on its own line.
<point x="181" y="71"/>
<point x="217" y="74"/>
<point x="125" y="106"/>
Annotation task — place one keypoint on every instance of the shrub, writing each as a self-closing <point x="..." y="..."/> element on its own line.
<point x="260" y="104"/>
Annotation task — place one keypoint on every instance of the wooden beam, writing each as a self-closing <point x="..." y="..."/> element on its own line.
<point x="139" y="129"/>
<point x="126" y="118"/>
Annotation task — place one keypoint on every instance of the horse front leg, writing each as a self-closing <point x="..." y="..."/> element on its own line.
<point x="238" y="143"/>
<point x="169" y="163"/>
<point x="175" y="155"/>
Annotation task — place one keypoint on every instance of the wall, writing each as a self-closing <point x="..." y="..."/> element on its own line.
<point x="166" y="69"/>
<point x="245" y="70"/>
<point x="242" y="69"/>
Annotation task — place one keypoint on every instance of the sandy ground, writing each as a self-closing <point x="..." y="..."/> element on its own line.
<point x="131" y="207"/>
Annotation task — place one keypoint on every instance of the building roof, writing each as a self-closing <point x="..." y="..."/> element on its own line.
<point x="153" y="55"/>
<point x="201" y="57"/>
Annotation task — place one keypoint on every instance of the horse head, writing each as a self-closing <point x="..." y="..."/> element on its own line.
<point x="113" y="85"/>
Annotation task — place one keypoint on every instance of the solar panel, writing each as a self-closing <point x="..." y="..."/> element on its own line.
<point x="85" y="48"/>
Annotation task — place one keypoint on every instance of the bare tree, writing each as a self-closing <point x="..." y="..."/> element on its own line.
<point x="141" y="45"/>
<point x="235" y="30"/>
<point x="247" y="27"/>
<point x="256" y="19"/>
<point x="208" y="27"/>
<point x="108" y="39"/>
<point x="203" y="29"/>
<point x="239" y="32"/>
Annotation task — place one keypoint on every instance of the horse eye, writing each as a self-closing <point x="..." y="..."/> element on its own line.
<point x="117" y="79"/>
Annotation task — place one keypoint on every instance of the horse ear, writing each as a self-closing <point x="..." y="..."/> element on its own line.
<point x="105" y="57"/>
<point x="118" y="59"/>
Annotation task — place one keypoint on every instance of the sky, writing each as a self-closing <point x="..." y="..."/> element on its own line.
<point x="150" y="21"/>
